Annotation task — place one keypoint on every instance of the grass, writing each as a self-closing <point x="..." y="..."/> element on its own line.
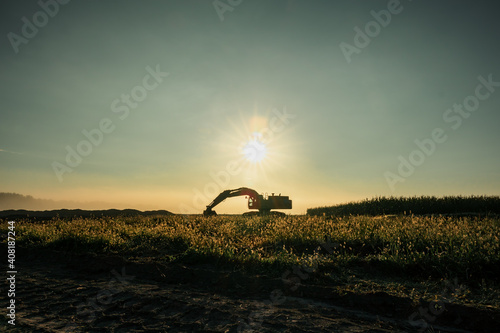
<point x="434" y="246"/>
<point x="411" y="249"/>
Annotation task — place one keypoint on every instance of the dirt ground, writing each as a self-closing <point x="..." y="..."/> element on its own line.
<point x="63" y="292"/>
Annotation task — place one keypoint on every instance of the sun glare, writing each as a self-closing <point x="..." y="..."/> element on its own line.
<point x="255" y="150"/>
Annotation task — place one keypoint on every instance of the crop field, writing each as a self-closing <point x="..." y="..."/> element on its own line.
<point x="428" y="205"/>
<point x="415" y="260"/>
<point x="425" y="246"/>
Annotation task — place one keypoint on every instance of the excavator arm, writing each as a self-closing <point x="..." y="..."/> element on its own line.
<point x="228" y="194"/>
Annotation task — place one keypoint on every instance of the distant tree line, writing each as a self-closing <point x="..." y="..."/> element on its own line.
<point x="19" y="201"/>
<point x="422" y="205"/>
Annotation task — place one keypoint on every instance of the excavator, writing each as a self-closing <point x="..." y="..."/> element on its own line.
<point x="255" y="201"/>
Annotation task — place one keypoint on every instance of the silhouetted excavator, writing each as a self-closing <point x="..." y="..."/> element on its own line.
<point x="255" y="201"/>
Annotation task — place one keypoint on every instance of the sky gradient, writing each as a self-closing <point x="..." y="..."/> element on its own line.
<point x="163" y="97"/>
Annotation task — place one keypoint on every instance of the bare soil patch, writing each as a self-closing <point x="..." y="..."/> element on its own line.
<point x="65" y="292"/>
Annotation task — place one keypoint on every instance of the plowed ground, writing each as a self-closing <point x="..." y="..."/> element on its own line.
<point x="63" y="292"/>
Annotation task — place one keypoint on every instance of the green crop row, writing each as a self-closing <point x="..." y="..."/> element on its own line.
<point x="413" y="205"/>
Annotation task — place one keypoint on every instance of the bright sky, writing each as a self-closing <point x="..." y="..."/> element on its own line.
<point x="163" y="104"/>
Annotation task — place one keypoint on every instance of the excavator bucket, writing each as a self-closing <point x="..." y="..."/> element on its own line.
<point x="209" y="212"/>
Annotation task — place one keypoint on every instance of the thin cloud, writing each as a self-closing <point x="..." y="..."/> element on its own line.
<point x="11" y="152"/>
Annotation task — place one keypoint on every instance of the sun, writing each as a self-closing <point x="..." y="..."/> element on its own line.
<point x="255" y="150"/>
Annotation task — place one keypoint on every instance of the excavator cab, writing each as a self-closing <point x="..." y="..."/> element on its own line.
<point x="253" y="203"/>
